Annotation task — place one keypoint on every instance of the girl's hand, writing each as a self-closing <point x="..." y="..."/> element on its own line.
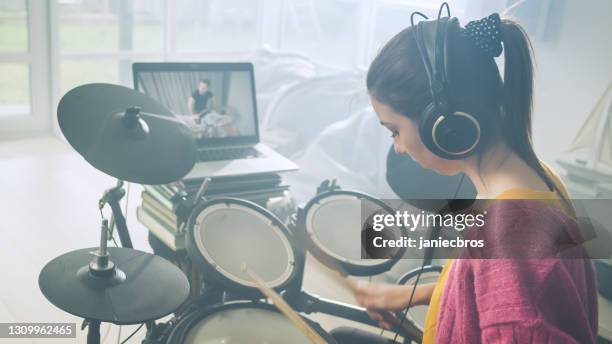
<point x="383" y="296"/>
<point x="391" y="297"/>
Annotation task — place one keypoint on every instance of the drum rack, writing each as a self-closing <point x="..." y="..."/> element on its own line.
<point x="213" y="295"/>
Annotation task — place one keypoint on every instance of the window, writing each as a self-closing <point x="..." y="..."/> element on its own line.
<point x="99" y="39"/>
<point x="325" y="30"/>
<point x="15" y="59"/>
<point x="217" y="26"/>
<point x="348" y="33"/>
<point x="24" y="82"/>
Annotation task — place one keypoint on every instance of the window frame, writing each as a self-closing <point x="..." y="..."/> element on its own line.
<point x="36" y="57"/>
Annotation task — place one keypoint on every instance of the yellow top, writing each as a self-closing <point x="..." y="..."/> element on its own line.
<point x="429" y="328"/>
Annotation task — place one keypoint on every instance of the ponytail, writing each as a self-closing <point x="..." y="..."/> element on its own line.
<point x="517" y="98"/>
<point x="518" y="80"/>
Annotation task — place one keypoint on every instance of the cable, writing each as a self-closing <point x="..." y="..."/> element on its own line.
<point x="109" y="230"/>
<point x="114" y="241"/>
<point x="383" y="330"/>
<point x="125" y="211"/>
<point x="127" y="202"/>
<point x="132" y="335"/>
<point x="416" y="283"/>
<point x="419" y="14"/>
<point x="444" y="4"/>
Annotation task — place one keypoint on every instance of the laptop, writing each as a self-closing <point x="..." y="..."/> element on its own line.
<point x="217" y="103"/>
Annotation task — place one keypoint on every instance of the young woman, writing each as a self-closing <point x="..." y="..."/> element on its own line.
<point x="549" y="300"/>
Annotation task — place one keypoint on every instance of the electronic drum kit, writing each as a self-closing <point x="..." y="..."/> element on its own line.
<point x="131" y="137"/>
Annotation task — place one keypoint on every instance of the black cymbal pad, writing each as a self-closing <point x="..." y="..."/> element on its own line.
<point x="152" y="287"/>
<point x="155" y="149"/>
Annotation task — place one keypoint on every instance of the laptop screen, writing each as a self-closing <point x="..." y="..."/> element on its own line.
<point x="215" y="100"/>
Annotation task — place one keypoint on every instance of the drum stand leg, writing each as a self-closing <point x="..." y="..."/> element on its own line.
<point x="112" y="197"/>
<point x="93" y="332"/>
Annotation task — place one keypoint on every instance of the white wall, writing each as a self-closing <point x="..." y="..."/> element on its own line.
<point x="574" y="68"/>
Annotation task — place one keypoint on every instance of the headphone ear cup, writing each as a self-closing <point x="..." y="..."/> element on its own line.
<point x="450" y="137"/>
<point x="457" y="135"/>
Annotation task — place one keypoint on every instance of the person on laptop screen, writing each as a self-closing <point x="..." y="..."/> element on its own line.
<point x="210" y="122"/>
<point x="201" y="101"/>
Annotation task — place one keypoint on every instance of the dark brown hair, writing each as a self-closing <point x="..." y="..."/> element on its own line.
<point x="397" y="78"/>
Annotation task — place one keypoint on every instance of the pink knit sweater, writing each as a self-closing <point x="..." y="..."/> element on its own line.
<point x="539" y="298"/>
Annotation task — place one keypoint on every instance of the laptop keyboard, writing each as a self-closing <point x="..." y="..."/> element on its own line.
<point x="227" y="154"/>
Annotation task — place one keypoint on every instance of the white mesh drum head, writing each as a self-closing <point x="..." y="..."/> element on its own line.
<point x="245" y="326"/>
<point x="334" y="226"/>
<point x="228" y="235"/>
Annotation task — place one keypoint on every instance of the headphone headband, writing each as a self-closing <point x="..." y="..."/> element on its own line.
<point x="433" y="55"/>
<point x="447" y="133"/>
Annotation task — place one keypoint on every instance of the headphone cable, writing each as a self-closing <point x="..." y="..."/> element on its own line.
<point x="416" y="282"/>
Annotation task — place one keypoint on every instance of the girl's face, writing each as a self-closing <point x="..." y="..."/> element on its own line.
<point x="407" y="140"/>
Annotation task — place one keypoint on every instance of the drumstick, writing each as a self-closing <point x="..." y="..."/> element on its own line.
<point x="406" y="327"/>
<point x="280" y="303"/>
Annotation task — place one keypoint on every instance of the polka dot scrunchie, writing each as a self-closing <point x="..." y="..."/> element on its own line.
<point x="485" y="34"/>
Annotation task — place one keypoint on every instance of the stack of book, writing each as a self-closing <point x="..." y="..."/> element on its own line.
<point x="157" y="211"/>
